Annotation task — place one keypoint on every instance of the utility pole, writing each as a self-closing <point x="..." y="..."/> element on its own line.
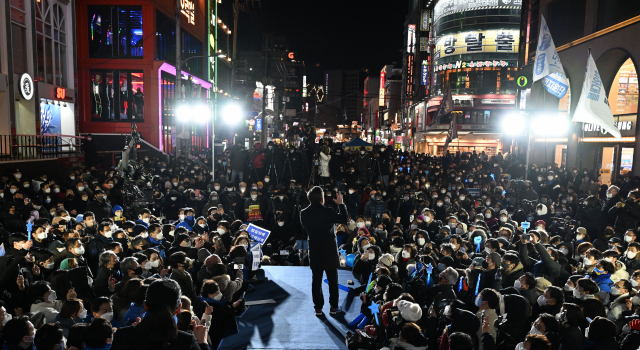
<point x="236" y="12"/>
<point x="178" y="85"/>
<point x="265" y="81"/>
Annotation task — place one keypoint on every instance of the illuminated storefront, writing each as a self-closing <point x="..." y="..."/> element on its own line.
<point x="475" y="55"/>
<point x="126" y="69"/>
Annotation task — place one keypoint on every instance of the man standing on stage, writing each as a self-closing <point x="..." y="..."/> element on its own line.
<point x="319" y="220"/>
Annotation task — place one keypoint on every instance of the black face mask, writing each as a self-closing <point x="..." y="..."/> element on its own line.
<point x="138" y="271"/>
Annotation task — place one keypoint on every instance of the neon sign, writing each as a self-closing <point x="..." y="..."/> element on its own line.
<point x="188" y="9"/>
<point x="61" y="93"/>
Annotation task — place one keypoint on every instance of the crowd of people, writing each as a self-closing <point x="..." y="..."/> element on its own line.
<point x="437" y="244"/>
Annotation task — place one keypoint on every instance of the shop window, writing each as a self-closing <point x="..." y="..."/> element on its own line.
<point x="166" y="46"/>
<point x="19" y="37"/>
<point x="117" y="95"/>
<point x="623" y="96"/>
<point x="115" y="31"/>
<point x="487" y="117"/>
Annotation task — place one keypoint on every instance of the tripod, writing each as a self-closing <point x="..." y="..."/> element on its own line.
<point x="287" y="163"/>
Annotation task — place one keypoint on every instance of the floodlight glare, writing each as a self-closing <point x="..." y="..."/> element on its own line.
<point x="183" y="113"/>
<point x="202" y="113"/>
<point x="550" y="125"/>
<point x="232" y="113"/>
<point x="514" y="124"/>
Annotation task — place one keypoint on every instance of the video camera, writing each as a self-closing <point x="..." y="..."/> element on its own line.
<point x="131" y="171"/>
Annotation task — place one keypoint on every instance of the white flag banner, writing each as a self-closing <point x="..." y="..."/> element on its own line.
<point x="593" y="106"/>
<point x="548" y="66"/>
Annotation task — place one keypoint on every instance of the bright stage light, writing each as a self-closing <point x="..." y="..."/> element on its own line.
<point x="201" y="113"/>
<point x="550" y="125"/>
<point x="232" y="113"/>
<point x="183" y="113"/>
<point x="514" y="124"/>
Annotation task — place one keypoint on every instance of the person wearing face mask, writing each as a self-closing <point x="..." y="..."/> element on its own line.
<point x="487" y="301"/>
<point x="186" y="219"/>
<point x="627" y="213"/>
<point x="352" y="201"/>
<point x="366" y="262"/>
<point x="130" y="269"/>
<point x="363" y="165"/>
<point x="224" y="321"/>
<point x="404" y="258"/>
<point x="631" y="258"/>
<point x="254" y="209"/>
<point x="232" y="201"/>
<point x="612" y="198"/>
<point x="542" y="214"/>
<point x="620" y="292"/>
<point x="156" y="240"/>
<point x="100" y="207"/>
<point x="98" y="245"/>
<point x="19" y="334"/>
<point x="180" y="263"/>
<point x="45" y="300"/>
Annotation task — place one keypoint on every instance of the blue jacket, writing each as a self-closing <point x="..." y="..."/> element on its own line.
<point x="188" y="223"/>
<point x="132" y="314"/>
<point x="603" y="281"/>
<point x="374" y="210"/>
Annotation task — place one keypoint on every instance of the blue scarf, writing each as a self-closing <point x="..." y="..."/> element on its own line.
<point x="213" y="301"/>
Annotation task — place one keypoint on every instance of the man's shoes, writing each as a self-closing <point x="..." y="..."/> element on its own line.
<point x="335" y="311"/>
<point x="319" y="312"/>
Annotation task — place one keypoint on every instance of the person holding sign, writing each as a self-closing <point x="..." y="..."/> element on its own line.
<point x="318" y="221"/>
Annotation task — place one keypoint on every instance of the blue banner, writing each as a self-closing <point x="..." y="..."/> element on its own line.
<point x="424" y="80"/>
<point x="474" y="192"/>
<point x="259" y="124"/>
<point x="258" y="234"/>
<point x="555" y="84"/>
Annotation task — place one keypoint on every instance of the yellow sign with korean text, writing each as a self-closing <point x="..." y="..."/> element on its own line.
<point x="482" y="41"/>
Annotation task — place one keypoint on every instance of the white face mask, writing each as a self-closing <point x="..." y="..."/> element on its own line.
<point x="351" y="191"/>
<point x="172" y="233"/>
<point x="427" y="219"/>
<point x="634" y="283"/>
<point x="517" y="284"/>
<point x="181" y="216"/>
<point x="266" y="179"/>
<point x="576" y="293"/>
<point x="371" y="256"/>
<point x="564" y="251"/>
<point x="254" y="196"/>
<point x="368" y="223"/>
<point x="549" y="178"/>
<point x="218" y="297"/>
<point x="542" y="301"/>
<point x="221" y="230"/>
<point x="587" y="262"/>
<point x="280" y="223"/>
<point x="202" y="225"/>
<point x="82" y="315"/>
<point x="567" y="288"/>
<point x="13" y="190"/>
<point x="42" y="235"/>
<point x="579" y="237"/>
<point x="534" y="330"/>
<point x="79" y="251"/>
<point x="107" y="234"/>
<point x="365" y="247"/>
<point x="159" y="236"/>
<point x="145" y="220"/>
<point x="7" y="318"/>
<point x="49" y="266"/>
<point x="360" y="224"/>
<point x="406" y="254"/>
<point x="631" y="255"/>
<point x="503" y="219"/>
<point x="52" y="296"/>
<point x="628" y="238"/>
<point x="421" y="241"/>
<point x="488" y="250"/>
<point x="615" y="291"/>
<point x="108" y="316"/>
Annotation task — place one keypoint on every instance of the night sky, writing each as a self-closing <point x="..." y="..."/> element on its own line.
<point x="336" y="34"/>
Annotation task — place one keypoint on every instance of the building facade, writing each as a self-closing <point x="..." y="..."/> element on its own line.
<point x="37" y="73"/>
<point x="604" y="28"/>
<point x="127" y="70"/>
<point x="471" y="49"/>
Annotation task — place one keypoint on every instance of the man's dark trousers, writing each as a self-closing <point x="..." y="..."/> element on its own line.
<point x="316" y="287"/>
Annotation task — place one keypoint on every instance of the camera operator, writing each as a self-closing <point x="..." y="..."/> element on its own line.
<point x="337" y="166"/>
<point x="232" y="201"/>
<point x="613" y="197"/>
<point x="590" y="216"/>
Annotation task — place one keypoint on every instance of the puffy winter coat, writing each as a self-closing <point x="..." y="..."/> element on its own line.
<point x="324" y="164"/>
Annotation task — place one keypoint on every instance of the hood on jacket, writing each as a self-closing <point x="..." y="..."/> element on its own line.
<point x="544" y="209"/>
<point x="358" y="246"/>
<point x="222" y="281"/>
<point x="464" y="321"/>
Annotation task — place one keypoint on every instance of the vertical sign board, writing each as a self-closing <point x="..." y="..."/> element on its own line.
<point x="381" y="97"/>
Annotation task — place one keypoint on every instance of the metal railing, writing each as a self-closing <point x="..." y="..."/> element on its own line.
<point x="27" y="147"/>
